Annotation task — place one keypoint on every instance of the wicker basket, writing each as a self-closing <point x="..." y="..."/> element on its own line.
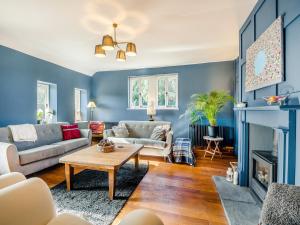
<point x="106" y="149"/>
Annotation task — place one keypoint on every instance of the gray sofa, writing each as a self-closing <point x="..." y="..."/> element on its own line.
<point x="30" y="157"/>
<point x="140" y="132"/>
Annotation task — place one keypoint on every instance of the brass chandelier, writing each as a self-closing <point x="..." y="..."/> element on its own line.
<point x="109" y="43"/>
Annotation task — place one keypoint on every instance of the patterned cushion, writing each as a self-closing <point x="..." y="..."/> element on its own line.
<point x="120" y="131"/>
<point x="159" y="133"/>
<point x="97" y="127"/>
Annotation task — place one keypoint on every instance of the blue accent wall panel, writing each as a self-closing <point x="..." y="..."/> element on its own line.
<point x="19" y="74"/>
<point x="262" y="16"/>
<point x="110" y="90"/>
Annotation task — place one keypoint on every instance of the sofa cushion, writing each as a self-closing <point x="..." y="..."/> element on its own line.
<point x="70" y="132"/>
<point x="150" y="143"/>
<point x="72" y="144"/>
<point x="142" y="129"/>
<point x="120" y="131"/>
<point x="122" y="140"/>
<point x="47" y="134"/>
<point x="40" y="153"/>
<point x="159" y="133"/>
<point x="5" y="135"/>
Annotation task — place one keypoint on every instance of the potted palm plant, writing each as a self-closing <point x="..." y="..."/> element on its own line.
<point x="207" y="106"/>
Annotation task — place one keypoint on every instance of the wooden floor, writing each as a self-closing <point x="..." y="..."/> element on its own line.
<point x="178" y="194"/>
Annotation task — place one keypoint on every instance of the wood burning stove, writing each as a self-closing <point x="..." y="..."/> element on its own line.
<point x="264" y="171"/>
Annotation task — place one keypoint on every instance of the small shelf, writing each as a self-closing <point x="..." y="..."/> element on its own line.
<point x="269" y="108"/>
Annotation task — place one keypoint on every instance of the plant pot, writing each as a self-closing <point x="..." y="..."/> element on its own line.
<point x="212" y="131"/>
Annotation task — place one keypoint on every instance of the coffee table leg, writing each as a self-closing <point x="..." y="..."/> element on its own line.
<point x="111" y="183"/>
<point x="136" y="162"/>
<point x="69" y="171"/>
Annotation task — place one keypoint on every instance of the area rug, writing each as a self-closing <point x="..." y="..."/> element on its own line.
<point x="239" y="204"/>
<point x="89" y="196"/>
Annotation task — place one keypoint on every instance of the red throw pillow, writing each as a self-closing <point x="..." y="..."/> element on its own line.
<point x="70" y="131"/>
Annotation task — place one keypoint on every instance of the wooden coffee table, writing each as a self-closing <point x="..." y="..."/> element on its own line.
<point x="91" y="158"/>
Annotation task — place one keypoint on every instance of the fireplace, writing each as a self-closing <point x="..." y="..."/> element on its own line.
<point x="264" y="172"/>
<point x="263" y="145"/>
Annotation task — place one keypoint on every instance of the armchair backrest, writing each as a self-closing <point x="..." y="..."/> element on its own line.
<point x="28" y="202"/>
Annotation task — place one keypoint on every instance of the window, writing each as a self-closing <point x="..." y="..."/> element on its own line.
<point x="43" y="100"/>
<point x="80" y="104"/>
<point x="160" y="89"/>
<point x="167" y="92"/>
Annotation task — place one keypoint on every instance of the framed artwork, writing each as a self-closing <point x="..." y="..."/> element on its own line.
<point x="264" y="58"/>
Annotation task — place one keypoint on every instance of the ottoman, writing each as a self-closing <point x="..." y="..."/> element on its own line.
<point x="182" y="151"/>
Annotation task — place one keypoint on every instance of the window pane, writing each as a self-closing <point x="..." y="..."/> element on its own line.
<point x="78" y="114"/>
<point x="144" y="92"/>
<point x="135" y="93"/>
<point x="172" y="86"/>
<point x="171" y="99"/>
<point x="42" y="100"/>
<point x="161" y="92"/>
<point x="172" y="93"/>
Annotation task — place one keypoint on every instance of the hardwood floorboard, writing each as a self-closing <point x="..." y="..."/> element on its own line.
<point x="178" y="194"/>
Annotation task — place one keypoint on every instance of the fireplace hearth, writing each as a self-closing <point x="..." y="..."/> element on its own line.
<point x="264" y="172"/>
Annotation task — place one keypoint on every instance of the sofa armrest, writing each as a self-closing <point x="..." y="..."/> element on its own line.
<point x="86" y="133"/>
<point x="108" y="133"/>
<point x="169" y="141"/>
<point x="10" y="179"/>
<point x="9" y="158"/>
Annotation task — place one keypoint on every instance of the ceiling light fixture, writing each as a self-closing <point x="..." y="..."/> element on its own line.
<point x="109" y="43"/>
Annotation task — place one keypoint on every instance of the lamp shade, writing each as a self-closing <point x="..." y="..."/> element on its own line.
<point x="99" y="51"/>
<point x="91" y="104"/>
<point x="107" y="43"/>
<point x="151" y="110"/>
<point x="121" y="56"/>
<point x="131" y="49"/>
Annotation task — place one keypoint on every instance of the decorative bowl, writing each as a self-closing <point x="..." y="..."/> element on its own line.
<point x="275" y="99"/>
<point x="106" y="149"/>
<point x="105" y="146"/>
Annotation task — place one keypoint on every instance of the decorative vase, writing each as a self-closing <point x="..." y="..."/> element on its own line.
<point x="213" y="131"/>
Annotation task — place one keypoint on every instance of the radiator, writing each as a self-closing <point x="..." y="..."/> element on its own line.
<point x="196" y="133"/>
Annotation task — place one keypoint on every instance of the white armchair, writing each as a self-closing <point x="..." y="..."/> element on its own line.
<point x="29" y="202"/>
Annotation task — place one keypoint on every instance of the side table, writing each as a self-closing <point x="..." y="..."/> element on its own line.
<point x="210" y="149"/>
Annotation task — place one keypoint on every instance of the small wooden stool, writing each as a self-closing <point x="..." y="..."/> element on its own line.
<point x="216" y="149"/>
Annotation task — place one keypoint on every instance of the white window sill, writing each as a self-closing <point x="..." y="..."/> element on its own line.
<point x="159" y="109"/>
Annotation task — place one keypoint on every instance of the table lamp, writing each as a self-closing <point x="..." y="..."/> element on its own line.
<point x="151" y="111"/>
<point x="92" y="106"/>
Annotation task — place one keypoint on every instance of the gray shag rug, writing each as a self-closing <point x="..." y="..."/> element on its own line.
<point x="240" y="206"/>
<point x="89" y="197"/>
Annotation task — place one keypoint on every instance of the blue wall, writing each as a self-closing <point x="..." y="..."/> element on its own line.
<point x="262" y="16"/>
<point x="18" y="80"/>
<point x="110" y="90"/>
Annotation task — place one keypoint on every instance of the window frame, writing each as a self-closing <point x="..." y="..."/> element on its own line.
<point x="152" y="91"/>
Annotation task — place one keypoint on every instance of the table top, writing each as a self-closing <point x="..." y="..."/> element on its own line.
<point x="213" y="138"/>
<point x="90" y="156"/>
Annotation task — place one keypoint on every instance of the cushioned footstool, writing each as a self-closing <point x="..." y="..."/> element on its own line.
<point x="182" y="151"/>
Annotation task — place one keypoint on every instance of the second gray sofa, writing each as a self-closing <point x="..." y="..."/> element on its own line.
<point x="140" y="133"/>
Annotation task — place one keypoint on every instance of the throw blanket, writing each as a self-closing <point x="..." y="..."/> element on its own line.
<point x="24" y="132"/>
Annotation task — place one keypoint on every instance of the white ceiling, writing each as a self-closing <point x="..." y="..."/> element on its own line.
<point x="167" y="32"/>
